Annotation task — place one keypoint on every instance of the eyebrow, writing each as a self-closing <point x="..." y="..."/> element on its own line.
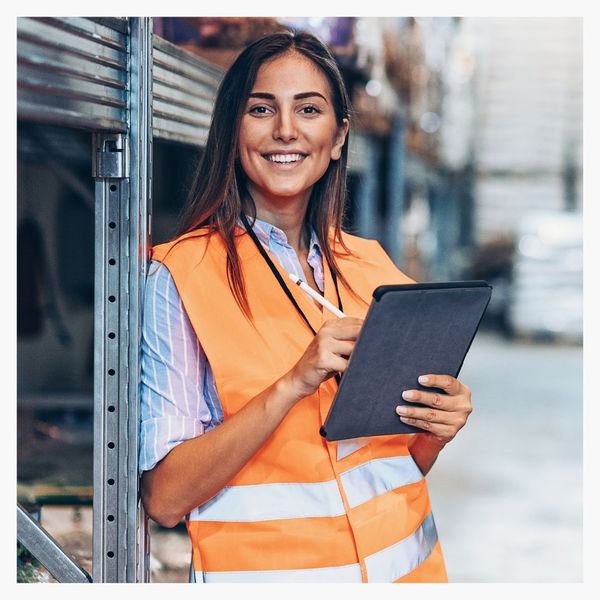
<point x="267" y="96"/>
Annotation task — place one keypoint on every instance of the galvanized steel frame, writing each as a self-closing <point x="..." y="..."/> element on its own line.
<point x="122" y="172"/>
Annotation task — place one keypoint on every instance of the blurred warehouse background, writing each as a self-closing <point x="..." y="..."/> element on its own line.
<point x="466" y="148"/>
<point x="466" y="163"/>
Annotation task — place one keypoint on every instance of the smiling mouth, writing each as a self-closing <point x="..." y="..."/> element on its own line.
<point x="284" y="159"/>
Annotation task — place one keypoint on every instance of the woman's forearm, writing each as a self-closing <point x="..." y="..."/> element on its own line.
<point x="195" y="470"/>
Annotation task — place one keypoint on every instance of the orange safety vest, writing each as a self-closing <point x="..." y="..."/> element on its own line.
<point x="302" y="509"/>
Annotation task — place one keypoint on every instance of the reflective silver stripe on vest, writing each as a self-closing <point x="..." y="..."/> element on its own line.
<point x="268" y="501"/>
<point x="377" y="477"/>
<point x="400" y="559"/>
<point x="384" y="566"/>
<point x="343" y="574"/>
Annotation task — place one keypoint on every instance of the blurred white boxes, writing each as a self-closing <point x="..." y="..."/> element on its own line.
<point x="546" y="296"/>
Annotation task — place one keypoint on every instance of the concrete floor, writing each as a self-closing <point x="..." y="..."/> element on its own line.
<point x="507" y="492"/>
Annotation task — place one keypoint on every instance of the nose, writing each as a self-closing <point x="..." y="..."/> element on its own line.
<point x="285" y="126"/>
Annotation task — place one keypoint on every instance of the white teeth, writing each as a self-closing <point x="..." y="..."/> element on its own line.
<point x="284" y="158"/>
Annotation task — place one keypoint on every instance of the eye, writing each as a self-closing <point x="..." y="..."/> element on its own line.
<point x="310" y="109"/>
<point x="259" y="109"/>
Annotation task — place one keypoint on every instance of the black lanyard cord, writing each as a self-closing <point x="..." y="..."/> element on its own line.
<point x="282" y="283"/>
<point x="275" y="271"/>
<point x="280" y="280"/>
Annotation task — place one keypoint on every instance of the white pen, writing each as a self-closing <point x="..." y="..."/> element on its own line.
<point x="336" y="311"/>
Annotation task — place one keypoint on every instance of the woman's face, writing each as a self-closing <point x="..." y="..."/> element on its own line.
<point x="288" y="132"/>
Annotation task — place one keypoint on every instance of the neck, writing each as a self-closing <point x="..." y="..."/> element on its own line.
<point x="289" y="218"/>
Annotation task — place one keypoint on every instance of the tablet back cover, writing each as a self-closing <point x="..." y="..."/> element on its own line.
<point x="410" y="330"/>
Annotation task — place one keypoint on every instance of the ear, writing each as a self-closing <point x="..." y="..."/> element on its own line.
<point x="340" y="139"/>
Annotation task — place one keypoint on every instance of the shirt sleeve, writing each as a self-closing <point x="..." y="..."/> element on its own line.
<point x="178" y="394"/>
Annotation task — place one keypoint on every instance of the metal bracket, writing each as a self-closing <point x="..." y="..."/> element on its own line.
<point x="111" y="156"/>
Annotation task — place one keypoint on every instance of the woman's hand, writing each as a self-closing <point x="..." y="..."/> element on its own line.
<point x="326" y="355"/>
<point x="443" y="415"/>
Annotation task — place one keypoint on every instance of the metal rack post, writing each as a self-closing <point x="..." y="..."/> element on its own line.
<point x="122" y="170"/>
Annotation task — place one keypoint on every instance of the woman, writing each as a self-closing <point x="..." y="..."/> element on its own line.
<point x="238" y="366"/>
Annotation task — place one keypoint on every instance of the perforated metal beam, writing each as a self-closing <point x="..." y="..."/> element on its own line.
<point x="122" y="168"/>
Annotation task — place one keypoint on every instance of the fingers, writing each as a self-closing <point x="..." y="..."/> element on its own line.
<point x="338" y="364"/>
<point x="425" y="415"/>
<point x="347" y="328"/>
<point x="449" y="384"/>
<point x="443" y="425"/>
<point x="445" y="432"/>
<point x="342" y="347"/>
<point x="440" y="402"/>
<point x="334" y="355"/>
<point x="429" y="398"/>
<point x="443" y="414"/>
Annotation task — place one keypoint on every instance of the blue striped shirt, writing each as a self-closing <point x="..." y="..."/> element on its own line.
<point x="179" y="398"/>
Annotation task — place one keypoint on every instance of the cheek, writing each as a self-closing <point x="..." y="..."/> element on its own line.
<point x="252" y="172"/>
<point x="246" y="157"/>
<point x="246" y="137"/>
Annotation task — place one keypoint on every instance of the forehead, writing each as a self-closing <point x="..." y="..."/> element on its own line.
<point x="291" y="73"/>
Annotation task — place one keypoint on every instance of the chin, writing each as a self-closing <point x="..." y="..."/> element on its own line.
<point x="286" y="192"/>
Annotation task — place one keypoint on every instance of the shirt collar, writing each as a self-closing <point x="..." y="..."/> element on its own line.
<point x="269" y="234"/>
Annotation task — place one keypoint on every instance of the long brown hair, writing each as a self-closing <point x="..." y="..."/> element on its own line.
<point x="218" y="194"/>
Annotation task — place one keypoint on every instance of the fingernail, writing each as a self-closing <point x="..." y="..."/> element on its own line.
<point x="423" y="379"/>
<point x="401" y="410"/>
<point x="408" y="395"/>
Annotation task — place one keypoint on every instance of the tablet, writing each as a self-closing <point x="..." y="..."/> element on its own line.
<point x="409" y="330"/>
